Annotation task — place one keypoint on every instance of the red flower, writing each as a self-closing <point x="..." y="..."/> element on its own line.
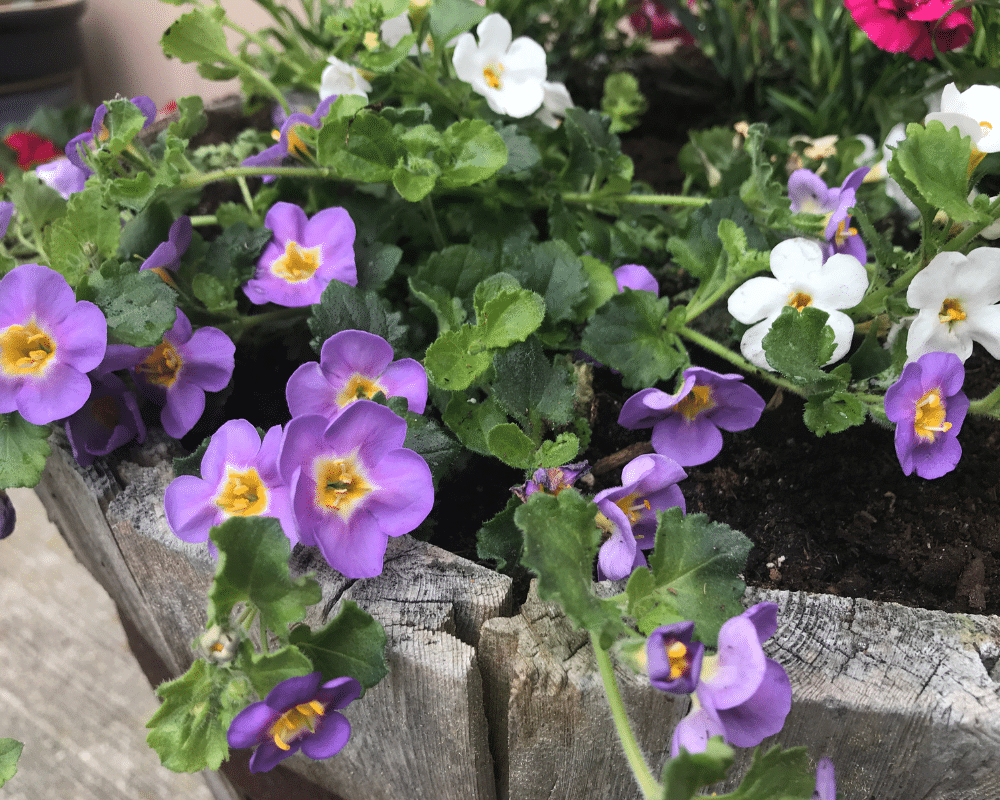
<point x="653" y="17"/>
<point x="907" y="26"/>
<point x="31" y="148"/>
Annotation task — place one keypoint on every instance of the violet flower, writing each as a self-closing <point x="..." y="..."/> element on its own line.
<point x="826" y="784"/>
<point x="686" y="426"/>
<point x="64" y="176"/>
<point x="167" y="255"/>
<point x="300" y="713"/>
<point x="303" y="256"/>
<point x="649" y="484"/>
<point x="288" y="142"/>
<point x="634" y="276"/>
<point x="928" y="406"/>
<point x="178" y="371"/>
<point x="353" y="365"/>
<point x="353" y="484"/>
<point x="551" y="480"/>
<point x="239" y="478"/>
<point x="6" y="215"/>
<point x="48" y="343"/>
<point x="80" y="145"/>
<point x="741" y="694"/>
<point x="809" y="193"/>
<point x="109" y="419"/>
<point x="672" y="660"/>
<point x="8" y="515"/>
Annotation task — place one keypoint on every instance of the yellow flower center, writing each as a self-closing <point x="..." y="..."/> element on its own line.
<point x="106" y="411"/>
<point x="357" y="387"/>
<point x="340" y="484"/>
<point x="26" y="349"/>
<point x="371" y="40"/>
<point x="243" y="495"/>
<point x="951" y="311"/>
<point x="298" y="263"/>
<point x="295" y="144"/>
<point x="977" y="154"/>
<point x="842" y="232"/>
<point x="295" y="722"/>
<point x="161" y="366"/>
<point x="633" y="507"/>
<point x="985" y="127"/>
<point x="697" y="400"/>
<point x="799" y="300"/>
<point x="677" y="655"/>
<point x="929" y="419"/>
<point x="491" y="74"/>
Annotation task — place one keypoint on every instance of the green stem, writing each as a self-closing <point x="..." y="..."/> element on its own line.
<point x="202" y="220"/>
<point x="245" y="191"/>
<point x="196" y="180"/>
<point x="637" y="199"/>
<point x="432" y="220"/>
<point x="238" y="327"/>
<point x="987" y="406"/>
<point x="647" y="783"/>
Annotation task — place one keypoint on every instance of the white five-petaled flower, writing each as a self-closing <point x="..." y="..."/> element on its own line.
<point x="509" y="74"/>
<point x="801" y="279"/>
<point x="975" y="112"/>
<point x="956" y="297"/>
<point x="555" y="102"/>
<point x="342" y="78"/>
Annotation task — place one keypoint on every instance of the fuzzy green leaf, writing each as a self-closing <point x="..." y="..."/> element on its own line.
<point x="799" y="343"/>
<point x="456" y="358"/>
<point x="528" y="386"/>
<point x="342" y="307"/>
<point x="776" y="775"/>
<point x="935" y="160"/>
<point x="510" y="444"/>
<point x="10" y="752"/>
<point x="833" y="412"/>
<point x="452" y="17"/>
<point x="472" y="422"/>
<point x="139" y="306"/>
<point x="500" y="540"/>
<point x="472" y="151"/>
<point x="24" y="449"/>
<point x="687" y="772"/>
<point x="351" y="644"/>
<point x="267" y="670"/>
<point x="197" y="37"/>
<point x="510" y="317"/>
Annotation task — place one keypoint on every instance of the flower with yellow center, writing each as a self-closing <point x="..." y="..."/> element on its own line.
<point x="673" y="661"/>
<point x="975" y="112"/>
<point x="26" y="350"/>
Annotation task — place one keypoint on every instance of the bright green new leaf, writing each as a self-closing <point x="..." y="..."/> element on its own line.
<point x="452" y="17"/>
<point x="776" y="775"/>
<point x="561" y="539"/>
<point x="449" y="310"/>
<point x="799" y="343"/>
<point x="10" y="752"/>
<point x="123" y="122"/>
<point x="623" y="101"/>
<point x="267" y="670"/>
<point x="833" y="412"/>
<point x="350" y="644"/>
<point x="510" y="317"/>
<point x="472" y="152"/>
<point x="693" y="574"/>
<point x="935" y="160"/>
<point x="414" y="178"/>
<point x="556" y="452"/>
<point x="686" y="773"/>
<point x="510" y="444"/>
<point x="24" y="449"/>
<point x="364" y="148"/>
<point x="253" y="568"/>
<point x="472" y="421"/>
<point x="197" y="37"/>
<point x="456" y="358"/>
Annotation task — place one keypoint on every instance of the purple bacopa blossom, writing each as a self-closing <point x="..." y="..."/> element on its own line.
<point x="673" y="661"/>
<point x="354" y="485"/>
<point x="178" y="371"/>
<point x="300" y="713"/>
<point x="809" y="193"/>
<point x="303" y="256"/>
<point x="354" y="365"/>
<point x="239" y="478"/>
<point x="686" y="425"/>
<point x="6" y="215"/>
<point x="826" y="784"/>
<point x="288" y="141"/>
<point x="109" y="419"/>
<point x="167" y="255"/>
<point x="634" y="276"/>
<point x="551" y="480"/>
<point x="928" y="406"/>
<point x="48" y="343"/>
<point x="741" y="694"/>
<point x="78" y="146"/>
<point x="64" y="176"/>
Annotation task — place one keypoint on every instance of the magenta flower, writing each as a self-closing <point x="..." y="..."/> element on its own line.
<point x="109" y="419"/>
<point x="686" y="426"/>
<point x="653" y="17"/>
<point x="353" y="365"/>
<point x="303" y="256"/>
<point x="299" y="713"/>
<point x="634" y="276"/>
<point x="8" y="515"/>
<point x="48" y="344"/>
<point x="809" y="193"/>
<point x="649" y="485"/>
<point x="78" y="146"/>
<point x="354" y="485"/>
<point x="288" y="141"/>
<point x="551" y="480"/>
<point x="178" y="371"/>
<point x="928" y="406"/>
<point x="64" y="176"/>
<point x="239" y="478"/>
<point x="741" y="694"/>
<point x="914" y="27"/>
<point x="826" y="784"/>
<point x="167" y="255"/>
<point x="672" y="660"/>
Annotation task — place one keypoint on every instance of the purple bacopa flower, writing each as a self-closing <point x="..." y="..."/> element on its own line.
<point x="809" y="193"/>
<point x="288" y="141"/>
<point x="354" y="365"/>
<point x="8" y="516"/>
<point x="109" y="419"/>
<point x="551" y="480"/>
<point x="634" y="276"/>
<point x="64" y="176"/>
<point x="686" y="425"/>
<point x="354" y="485"/>
<point x="178" y="371"/>
<point x="167" y="255"/>
<point x="741" y="694"/>
<point x="672" y="659"/>
<point x="303" y="256"/>
<point x="48" y="344"/>
<point x="300" y="713"/>
<point x="826" y="784"/>
<point x="78" y="146"/>
<point x="239" y="478"/>
<point x="6" y="215"/>
<point x="928" y="406"/>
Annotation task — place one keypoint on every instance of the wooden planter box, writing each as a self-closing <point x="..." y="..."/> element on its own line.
<point x="481" y="704"/>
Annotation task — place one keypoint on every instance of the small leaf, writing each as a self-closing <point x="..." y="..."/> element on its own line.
<point x="10" y="752"/>
<point x="500" y="540"/>
<point x="24" y="449"/>
<point x="510" y="444"/>
<point x="267" y="670"/>
<point x="935" y="160"/>
<point x="776" y="775"/>
<point x="351" y="644"/>
<point x="342" y="307"/>
<point x="799" y="343"/>
<point x="687" y="772"/>
<point x="833" y="412"/>
<point x="472" y="421"/>
<point x="139" y="306"/>
<point x="456" y="358"/>
<point x="510" y="317"/>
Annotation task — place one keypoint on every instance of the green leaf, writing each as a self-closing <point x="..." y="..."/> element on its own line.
<point x="87" y="235"/>
<point x="414" y="178"/>
<point x="472" y="151"/>
<point x="510" y="444"/>
<point x="555" y="272"/>
<point x="529" y="386"/>
<point x="139" y="306"/>
<point x="500" y="540"/>
<point x="364" y="148"/>
<point x="554" y="453"/>
<point x="693" y="574"/>
<point x="267" y="670"/>
<point x="452" y="17"/>
<point x="935" y="160"/>
<point x="687" y="772"/>
<point x="799" y="343"/>
<point x="833" y="412"/>
<point x="192" y="119"/>
<point x="253" y="568"/>
<point x="351" y="644"/>
<point x="342" y="307"/>
<point x="472" y="421"/>
<point x="425" y="437"/>
<point x="39" y="203"/>
<point x="456" y="358"/>
<point x="623" y="101"/>
<point x="188" y="731"/>
<point x="561" y="540"/>
<point x="10" y="752"/>
<point x="24" y="449"/>
<point x="776" y="775"/>
<point x="197" y="37"/>
<point x="510" y="317"/>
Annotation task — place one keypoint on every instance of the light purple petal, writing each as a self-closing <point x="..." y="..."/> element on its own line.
<point x="250" y="727"/>
<point x="693" y="732"/>
<point x="55" y="395"/>
<point x="740" y="666"/>
<point x="349" y="352"/>
<point x="407" y="378"/>
<point x="294" y="691"/>
<point x="406" y="492"/>
<point x="190" y="510"/>
<point x="330" y="737"/>
<point x="636" y="277"/>
<point x="209" y="358"/>
<point x="185" y="405"/>
<point x="688" y="442"/>
<point x="358" y="550"/>
<point x="763" y="714"/>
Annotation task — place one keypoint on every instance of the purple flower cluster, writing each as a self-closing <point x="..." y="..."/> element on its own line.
<point x="809" y="193"/>
<point x="739" y="693"/>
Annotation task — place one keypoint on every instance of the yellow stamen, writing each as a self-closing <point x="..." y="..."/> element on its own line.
<point x="929" y="419"/>
<point x="677" y="655"/>
<point x="298" y="263"/>
<point x="243" y="494"/>
<point x="633" y="507"/>
<point x="799" y="300"/>
<point x="26" y="349"/>
<point x="842" y="232"/>
<point x="165" y="276"/>
<point x="951" y="311"/>
<point x="974" y="159"/>
<point x="491" y="74"/>
<point x="371" y="40"/>
<point x="295" y="722"/>
<point x="161" y="366"/>
<point x="697" y="400"/>
<point x="340" y="484"/>
<point x="357" y="387"/>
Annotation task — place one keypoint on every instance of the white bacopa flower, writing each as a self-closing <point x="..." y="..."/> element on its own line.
<point x="800" y="279"/>
<point x="509" y="74"/>
<point x="555" y="101"/>
<point x="342" y="78"/>
<point x="955" y="296"/>
<point x="975" y="112"/>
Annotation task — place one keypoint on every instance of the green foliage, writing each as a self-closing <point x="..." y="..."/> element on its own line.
<point x="342" y="307"/>
<point x="777" y="775"/>
<point x="139" y="306"/>
<point x="351" y="643"/>
<point x="24" y="449"/>
<point x="687" y="772"/>
<point x="10" y="752"/>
